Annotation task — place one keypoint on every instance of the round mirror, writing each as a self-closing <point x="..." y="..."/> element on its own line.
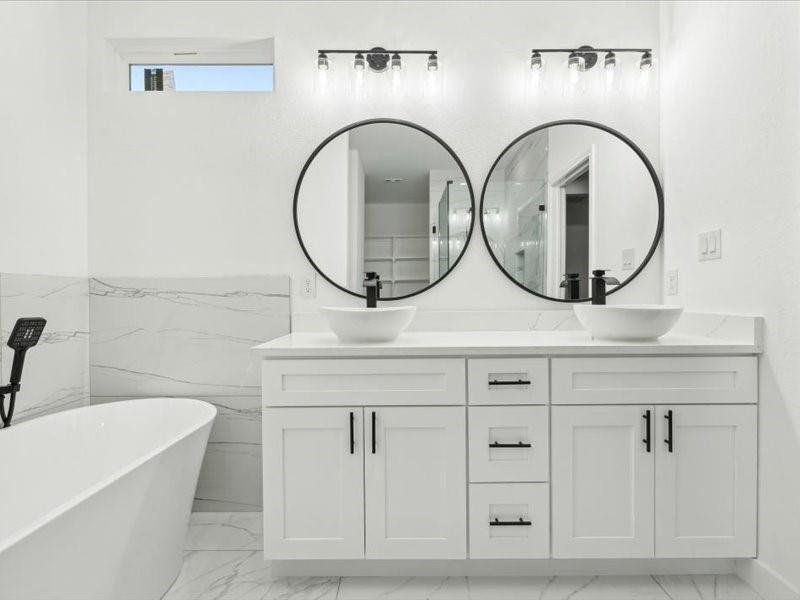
<point x="565" y="199"/>
<point x="388" y="197"/>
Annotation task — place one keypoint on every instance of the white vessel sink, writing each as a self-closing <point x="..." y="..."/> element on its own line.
<point x="627" y="322"/>
<point x="359" y="325"/>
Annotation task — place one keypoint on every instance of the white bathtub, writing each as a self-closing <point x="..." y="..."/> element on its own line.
<point x="94" y="502"/>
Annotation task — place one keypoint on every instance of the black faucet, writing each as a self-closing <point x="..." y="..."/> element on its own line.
<point x="599" y="283"/>
<point x="572" y="283"/>
<point x="372" y="281"/>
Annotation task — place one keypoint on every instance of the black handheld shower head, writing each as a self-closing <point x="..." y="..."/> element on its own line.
<point x="26" y="334"/>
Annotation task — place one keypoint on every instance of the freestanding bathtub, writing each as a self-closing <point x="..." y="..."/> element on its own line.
<point x="94" y="502"/>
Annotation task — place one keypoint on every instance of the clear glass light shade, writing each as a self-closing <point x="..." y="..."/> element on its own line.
<point x="358" y="62"/>
<point x="322" y="62"/>
<point x="396" y="62"/>
<point x="536" y="61"/>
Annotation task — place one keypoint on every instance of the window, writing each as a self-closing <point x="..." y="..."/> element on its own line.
<point x="201" y="78"/>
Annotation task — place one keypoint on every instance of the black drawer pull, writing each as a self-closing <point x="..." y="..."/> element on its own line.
<point x="373" y="432"/>
<point x="517" y="382"/>
<point x="520" y="523"/>
<point x="668" y="441"/>
<point x="646" y="440"/>
<point x="352" y="436"/>
<point x="501" y="445"/>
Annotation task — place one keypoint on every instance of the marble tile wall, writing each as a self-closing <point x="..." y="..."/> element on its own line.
<point x="56" y="373"/>
<point x="191" y="337"/>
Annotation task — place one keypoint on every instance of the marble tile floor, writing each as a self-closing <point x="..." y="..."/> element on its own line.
<point x="224" y="561"/>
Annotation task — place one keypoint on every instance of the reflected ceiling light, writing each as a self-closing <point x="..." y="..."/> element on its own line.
<point x="377" y="59"/>
<point x="585" y="57"/>
<point x="358" y="62"/>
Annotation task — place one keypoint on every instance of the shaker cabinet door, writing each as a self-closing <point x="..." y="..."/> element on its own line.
<point x="706" y="481"/>
<point x="602" y="481"/>
<point x="313" y="483"/>
<point x="415" y="482"/>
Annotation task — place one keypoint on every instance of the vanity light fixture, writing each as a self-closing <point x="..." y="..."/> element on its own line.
<point x="433" y="62"/>
<point x="377" y="59"/>
<point x="585" y="57"/>
<point x="646" y="64"/>
<point x="358" y="62"/>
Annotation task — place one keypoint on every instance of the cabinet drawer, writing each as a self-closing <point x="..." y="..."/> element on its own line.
<point x="347" y="382"/>
<point x="508" y="443"/>
<point x="655" y="380"/>
<point x="509" y="520"/>
<point x="508" y="380"/>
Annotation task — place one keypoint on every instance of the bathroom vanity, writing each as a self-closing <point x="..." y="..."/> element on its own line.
<point x="509" y="445"/>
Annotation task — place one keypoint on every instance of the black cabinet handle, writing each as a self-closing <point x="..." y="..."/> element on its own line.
<point x="517" y="382"/>
<point x="519" y="523"/>
<point x="501" y="445"/>
<point x="647" y="440"/>
<point x="352" y="437"/>
<point x="373" y="432"/>
<point x="668" y="441"/>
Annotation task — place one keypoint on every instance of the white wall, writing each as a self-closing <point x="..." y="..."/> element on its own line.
<point x="43" y="155"/>
<point x="202" y="184"/>
<point x="731" y="159"/>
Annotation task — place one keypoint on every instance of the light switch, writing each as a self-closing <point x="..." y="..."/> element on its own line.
<point x="709" y="245"/>
<point x="702" y="246"/>
<point x="714" y="244"/>
<point x="672" y="282"/>
<point x="628" y="259"/>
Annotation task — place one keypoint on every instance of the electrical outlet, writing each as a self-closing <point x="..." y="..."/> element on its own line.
<point x="628" y="259"/>
<point x="308" y="286"/>
<point x="672" y="282"/>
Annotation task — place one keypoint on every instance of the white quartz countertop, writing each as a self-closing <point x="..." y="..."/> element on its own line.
<point x="497" y="343"/>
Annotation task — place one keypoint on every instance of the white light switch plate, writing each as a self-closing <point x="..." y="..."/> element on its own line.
<point x="709" y="245"/>
<point x="672" y="282"/>
<point x="628" y="259"/>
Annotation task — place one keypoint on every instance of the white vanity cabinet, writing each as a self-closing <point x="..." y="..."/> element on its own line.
<point x="646" y="480"/>
<point x="602" y="482"/>
<point x="415" y="482"/>
<point x="314" y="492"/>
<point x="389" y="454"/>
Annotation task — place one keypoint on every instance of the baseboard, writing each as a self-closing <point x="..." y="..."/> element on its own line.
<point x="769" y="584"/>
<point x="502" y="568"/>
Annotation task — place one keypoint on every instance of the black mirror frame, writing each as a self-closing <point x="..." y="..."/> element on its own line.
<point x="650" y="169"/>
<point x="345" y="129"/>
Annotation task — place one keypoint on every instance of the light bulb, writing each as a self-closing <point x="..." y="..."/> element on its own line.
<point x="647" y="61"/>
<point x="433" y="62"/>
<point x="536" y="61"/>
<point x="358" y="62"/>
<point x="322" y="62"/>
<point x="396" y="62"/>
<point x="575" y="61"/>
